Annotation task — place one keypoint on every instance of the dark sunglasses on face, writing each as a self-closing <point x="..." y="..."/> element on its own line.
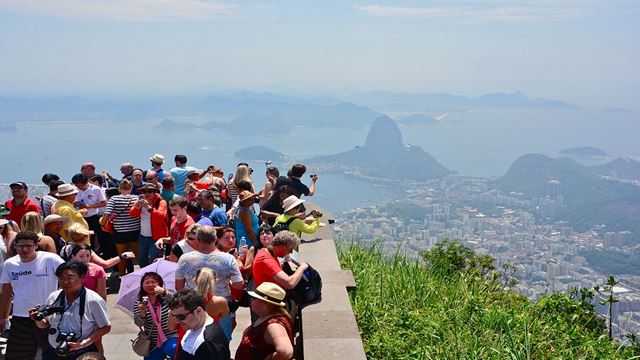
<point x="182" y="317"/>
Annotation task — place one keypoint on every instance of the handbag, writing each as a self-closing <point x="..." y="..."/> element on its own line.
<point x="141" y="345"/>
<point x="106" y="223"/>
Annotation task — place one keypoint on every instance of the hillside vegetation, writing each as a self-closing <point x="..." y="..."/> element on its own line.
<point x="453" y="304"/>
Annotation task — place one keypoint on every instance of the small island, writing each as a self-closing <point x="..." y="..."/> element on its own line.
<point x="583" y="152"/>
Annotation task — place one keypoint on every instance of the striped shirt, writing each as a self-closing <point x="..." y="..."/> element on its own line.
<point x="46" y="203"/>
<point x="120" y="205"/>
<point x="147" y="322"/>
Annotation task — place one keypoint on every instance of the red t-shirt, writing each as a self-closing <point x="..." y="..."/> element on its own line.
<point x="265" y="266"/>
<point x="18" y="211"/>
<point x="178" y="230"/>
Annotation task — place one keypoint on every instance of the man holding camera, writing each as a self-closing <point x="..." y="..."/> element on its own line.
<point x="29" y="276"/>
<point x="74" y="316"/>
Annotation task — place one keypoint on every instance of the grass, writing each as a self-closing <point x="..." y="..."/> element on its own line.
<point x="407" y="309"/>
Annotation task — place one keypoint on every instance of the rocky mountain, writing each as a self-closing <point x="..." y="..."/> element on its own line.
<point x="589" y="199"/>
<point x="384" y="155"/>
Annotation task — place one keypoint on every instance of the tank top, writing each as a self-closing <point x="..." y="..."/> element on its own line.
<point x="253" y="346"/>
<point x="240" y="229"/>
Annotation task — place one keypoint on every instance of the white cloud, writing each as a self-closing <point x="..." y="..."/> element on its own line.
<point x="502" y="11"/>
<point x="123" y="10"/>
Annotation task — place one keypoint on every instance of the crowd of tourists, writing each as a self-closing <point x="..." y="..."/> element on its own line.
<point x="228" y="238"/>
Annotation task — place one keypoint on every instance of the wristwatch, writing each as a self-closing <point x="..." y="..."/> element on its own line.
<point x="122" y="257"/>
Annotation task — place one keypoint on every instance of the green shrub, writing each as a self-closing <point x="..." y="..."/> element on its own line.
<point x="451" y="305"/>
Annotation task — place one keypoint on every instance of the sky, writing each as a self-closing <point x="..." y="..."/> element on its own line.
<point x="584" y="52"/>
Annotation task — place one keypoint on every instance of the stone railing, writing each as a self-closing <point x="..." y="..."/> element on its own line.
<point x="329" y="328"/>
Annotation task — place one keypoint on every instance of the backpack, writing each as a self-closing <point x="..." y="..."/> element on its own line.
<point x="276" y="228"/>
<point x="309" y="289"/>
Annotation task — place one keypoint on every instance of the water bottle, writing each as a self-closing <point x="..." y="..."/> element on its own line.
<point x="241" y="244"/>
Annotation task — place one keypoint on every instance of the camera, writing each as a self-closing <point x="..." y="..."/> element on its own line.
<point x="312" y="175"/>
<point x="48" y="310"/>
<point x="63" y="339"/>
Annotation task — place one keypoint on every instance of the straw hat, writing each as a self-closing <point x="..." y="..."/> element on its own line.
<point x="157" y="158"/>
<point x="291" y="202"/>
<point x="246" y="195"/>
<point x="269" y="292"/>
<point x="55" y="217"/>
<point x="66" y="190"/>
<point x="77" y="231"/>
<point x="3" y="222"/>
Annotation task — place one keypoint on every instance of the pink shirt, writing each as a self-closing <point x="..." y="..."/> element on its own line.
<point x="90" y="280"/>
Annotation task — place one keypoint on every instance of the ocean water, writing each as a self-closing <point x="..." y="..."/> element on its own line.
<point x="476" y="143"/>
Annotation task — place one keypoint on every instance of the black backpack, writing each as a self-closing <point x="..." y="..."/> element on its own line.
<point x="282" y="226"/>
<point x="309" y="289"/>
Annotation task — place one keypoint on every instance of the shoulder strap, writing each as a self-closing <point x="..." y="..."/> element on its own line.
<point x="291" y="219"/>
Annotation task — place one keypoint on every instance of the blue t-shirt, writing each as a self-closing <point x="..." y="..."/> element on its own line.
<point x="217" y="216"/>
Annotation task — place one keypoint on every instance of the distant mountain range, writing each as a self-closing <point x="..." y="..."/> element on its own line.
<point x="590" y="194"/>
<point x="584" y="151"/>
<point x="261" y="153"/>
<point x="384" y="155"/>
<point x="248" y="107"/>
<point x="392" y="101"/>
<point x="417" y="120"/>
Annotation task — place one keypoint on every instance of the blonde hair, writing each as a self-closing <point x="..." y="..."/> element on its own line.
<point x="78" y="233"/>
<point x="32" y="221"/>
<point x="242" y="173"/>
<point x="206" y="281"/>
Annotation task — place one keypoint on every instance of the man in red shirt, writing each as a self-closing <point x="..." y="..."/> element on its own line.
<point x="20" y="204"/>
<point x="179" y="224"/>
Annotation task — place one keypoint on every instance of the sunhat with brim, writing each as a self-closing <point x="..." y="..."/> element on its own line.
<point x="246" y="195"/>
<point x="149" y="187"/>
<point x="79" y="229"/>
<point x="4" y="211"/>
<point x="291" y="202"/>
<point x="66" y="190"/>
<point x="269" y="292"/>
<point x="157" y="158"/>
<point x="55" y="217"/>
<point x="3" y="222"/>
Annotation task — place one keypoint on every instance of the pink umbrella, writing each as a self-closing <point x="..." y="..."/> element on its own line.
<point x="130" y="284"/>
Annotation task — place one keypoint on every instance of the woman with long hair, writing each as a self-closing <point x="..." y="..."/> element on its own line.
<point x="217" y="306"/>
<point x="151" y="313"/>
<point x="32" y="221"/>
<point x="242" y="174"/>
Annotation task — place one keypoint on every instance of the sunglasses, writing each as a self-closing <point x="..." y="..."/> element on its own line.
<point x="182" y="317"/>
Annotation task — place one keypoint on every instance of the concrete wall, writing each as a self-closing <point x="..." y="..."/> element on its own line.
<point x="329" y="329"/>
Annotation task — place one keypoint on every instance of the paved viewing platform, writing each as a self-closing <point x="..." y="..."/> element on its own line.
<point x="329" y="329"/>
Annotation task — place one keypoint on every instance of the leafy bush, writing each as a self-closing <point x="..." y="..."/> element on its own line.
<point x="453" y="306"/>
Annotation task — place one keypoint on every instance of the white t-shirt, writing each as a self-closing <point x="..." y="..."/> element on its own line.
<point x="145" y="222"/>
<point x="92" y="196"/>
<point x="32" y="282"/>
<point x="194" y="338"/>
